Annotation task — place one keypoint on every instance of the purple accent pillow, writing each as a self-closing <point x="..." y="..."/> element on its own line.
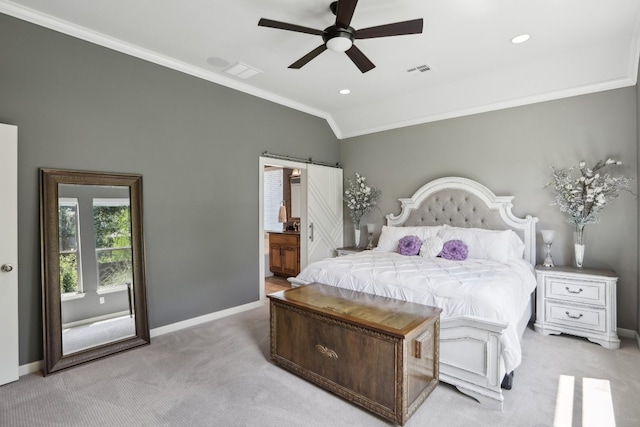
<point x="409" y="245"/>
<point x="454" y="250"/>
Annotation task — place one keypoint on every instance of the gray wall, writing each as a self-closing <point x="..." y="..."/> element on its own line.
<point x="510" y="151"/>
<point x="197" y="144"/>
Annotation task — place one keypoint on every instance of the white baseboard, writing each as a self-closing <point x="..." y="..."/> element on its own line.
<point x="37" y="366"/>
<point x="31" y="368"/>
<point x="629" y="333"/>
<point x="95" y="319"/>
<point x="203" y="319"/>
<point x="626" y="333"/>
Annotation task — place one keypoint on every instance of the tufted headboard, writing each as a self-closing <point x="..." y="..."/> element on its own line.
<point x="461" y="202"/>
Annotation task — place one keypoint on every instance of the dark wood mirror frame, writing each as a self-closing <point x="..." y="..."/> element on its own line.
<point x="54" y="360"/>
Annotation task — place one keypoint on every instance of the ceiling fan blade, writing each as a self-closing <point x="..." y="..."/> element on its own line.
<point x="396" y="29"/>
<point x="345" y="12"/>
<point x="289" y="27"/>
<point x="358" y="58"/>
<point x="308" y="57"/>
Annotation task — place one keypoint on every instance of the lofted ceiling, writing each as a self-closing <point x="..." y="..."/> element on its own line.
<point x="576" y="47"/>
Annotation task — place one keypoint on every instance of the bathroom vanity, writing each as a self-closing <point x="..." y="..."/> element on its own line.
<point x="284" y="253"/>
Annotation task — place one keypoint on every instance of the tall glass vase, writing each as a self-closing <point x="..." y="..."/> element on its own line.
<point x="356" y="233"/>
<point x="579" y="244"/>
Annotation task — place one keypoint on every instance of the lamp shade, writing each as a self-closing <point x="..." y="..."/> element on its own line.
<point x="548" y="236"/>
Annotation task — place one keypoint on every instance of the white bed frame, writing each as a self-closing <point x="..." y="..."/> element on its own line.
<point x="470" y="347"/>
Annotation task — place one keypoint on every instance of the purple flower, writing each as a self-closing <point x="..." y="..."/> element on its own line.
<point x="454" y="250"/>
<point x="409" y="245"/>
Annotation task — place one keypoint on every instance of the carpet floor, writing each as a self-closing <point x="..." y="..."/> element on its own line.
<point x="219" y="374"/>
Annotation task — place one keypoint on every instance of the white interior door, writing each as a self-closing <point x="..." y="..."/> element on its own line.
<point x="8" y="253"/>
<point x="324" y="231"/>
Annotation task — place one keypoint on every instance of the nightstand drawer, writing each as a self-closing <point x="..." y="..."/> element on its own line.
<point x="576" y="316"/>
<point x="578" y="290"/>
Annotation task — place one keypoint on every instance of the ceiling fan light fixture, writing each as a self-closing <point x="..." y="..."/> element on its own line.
<point x="340" y="36"/>
<point x="342" y="42"/>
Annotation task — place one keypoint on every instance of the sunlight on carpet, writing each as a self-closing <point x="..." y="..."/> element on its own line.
<point x="597" y="404"/>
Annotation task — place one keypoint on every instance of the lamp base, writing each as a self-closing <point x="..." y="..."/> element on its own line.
<point x="370" y="244"/>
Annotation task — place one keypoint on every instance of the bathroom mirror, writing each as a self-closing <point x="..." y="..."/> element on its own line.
<point x="93" y="280"/>
<point x="294" y="195"/>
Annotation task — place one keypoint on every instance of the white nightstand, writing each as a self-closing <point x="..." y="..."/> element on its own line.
<point x="348" y="250"/>
<point x="579" y="302"/>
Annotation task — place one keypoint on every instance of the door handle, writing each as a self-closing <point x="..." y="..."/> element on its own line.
<point x="6" y="268"/>
<point x="311" y="232"/>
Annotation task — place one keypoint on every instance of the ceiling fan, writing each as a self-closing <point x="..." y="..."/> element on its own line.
<point x="340" y="36"/>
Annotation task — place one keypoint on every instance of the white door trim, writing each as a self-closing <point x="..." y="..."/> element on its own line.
<point x="9" y="360"/>
<point x="267" y="161"/>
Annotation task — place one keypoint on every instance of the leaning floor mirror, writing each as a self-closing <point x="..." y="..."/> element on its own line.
<point x="93" y="280"/>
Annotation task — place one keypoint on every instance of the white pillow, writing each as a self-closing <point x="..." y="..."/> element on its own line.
<point x="516" y="246"/>
<point x="482" y="244"/>
<point x="431" y="247"/>
<point x="390" y="236"/>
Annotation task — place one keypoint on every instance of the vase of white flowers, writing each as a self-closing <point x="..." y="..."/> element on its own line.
<point x="583" y="197"/>
<point x="360" y="199"/>
<point x="578" y="245"/>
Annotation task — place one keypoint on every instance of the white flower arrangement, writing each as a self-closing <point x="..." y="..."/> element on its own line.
<point x="360" y="197"/>
<point x="585" y="196"/>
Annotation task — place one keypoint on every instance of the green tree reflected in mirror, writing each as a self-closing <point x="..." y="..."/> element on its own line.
<point x="68" y="225"/>
<point x="112" y="225"/>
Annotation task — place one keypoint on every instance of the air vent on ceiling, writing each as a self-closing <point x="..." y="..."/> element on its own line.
<point x="419" y="69"/>
<point x="241" y="70"/>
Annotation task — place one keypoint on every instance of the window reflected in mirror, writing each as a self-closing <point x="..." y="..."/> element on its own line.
<point x="96" y="265"/>
<point x="68" y="243"/>
<point x="112" y="226"/>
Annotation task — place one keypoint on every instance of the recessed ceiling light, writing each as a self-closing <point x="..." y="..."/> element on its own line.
<point x="520" y="39"/>
<point x="345" y="92"/>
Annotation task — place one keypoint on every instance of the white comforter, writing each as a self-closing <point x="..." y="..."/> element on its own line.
<point x="488" y="289"/>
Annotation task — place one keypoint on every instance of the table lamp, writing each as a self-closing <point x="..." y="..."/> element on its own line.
<point x="547" y="238"/>
<point x="370" y="229"/>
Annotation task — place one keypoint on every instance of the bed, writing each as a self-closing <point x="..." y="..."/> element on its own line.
<point x="486" y="299"/>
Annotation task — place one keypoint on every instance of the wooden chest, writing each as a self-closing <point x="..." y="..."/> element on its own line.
<point x="377" y="352"/>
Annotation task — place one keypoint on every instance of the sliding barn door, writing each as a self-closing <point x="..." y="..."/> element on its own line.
<point x="8" y="254"/>
<point x="324" y="212"/>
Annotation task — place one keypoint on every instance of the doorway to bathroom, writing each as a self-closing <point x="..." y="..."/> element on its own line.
<point x="319" y="226"/>
<point x="281" y="223"/>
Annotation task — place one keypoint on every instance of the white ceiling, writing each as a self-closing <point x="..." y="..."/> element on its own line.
<point x="576" y="47"/>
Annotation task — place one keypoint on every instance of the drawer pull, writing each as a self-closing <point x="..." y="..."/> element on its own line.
<point x="326" y="351"/>
<point x="570" y="316"/>
<point x="573" y="292"/>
